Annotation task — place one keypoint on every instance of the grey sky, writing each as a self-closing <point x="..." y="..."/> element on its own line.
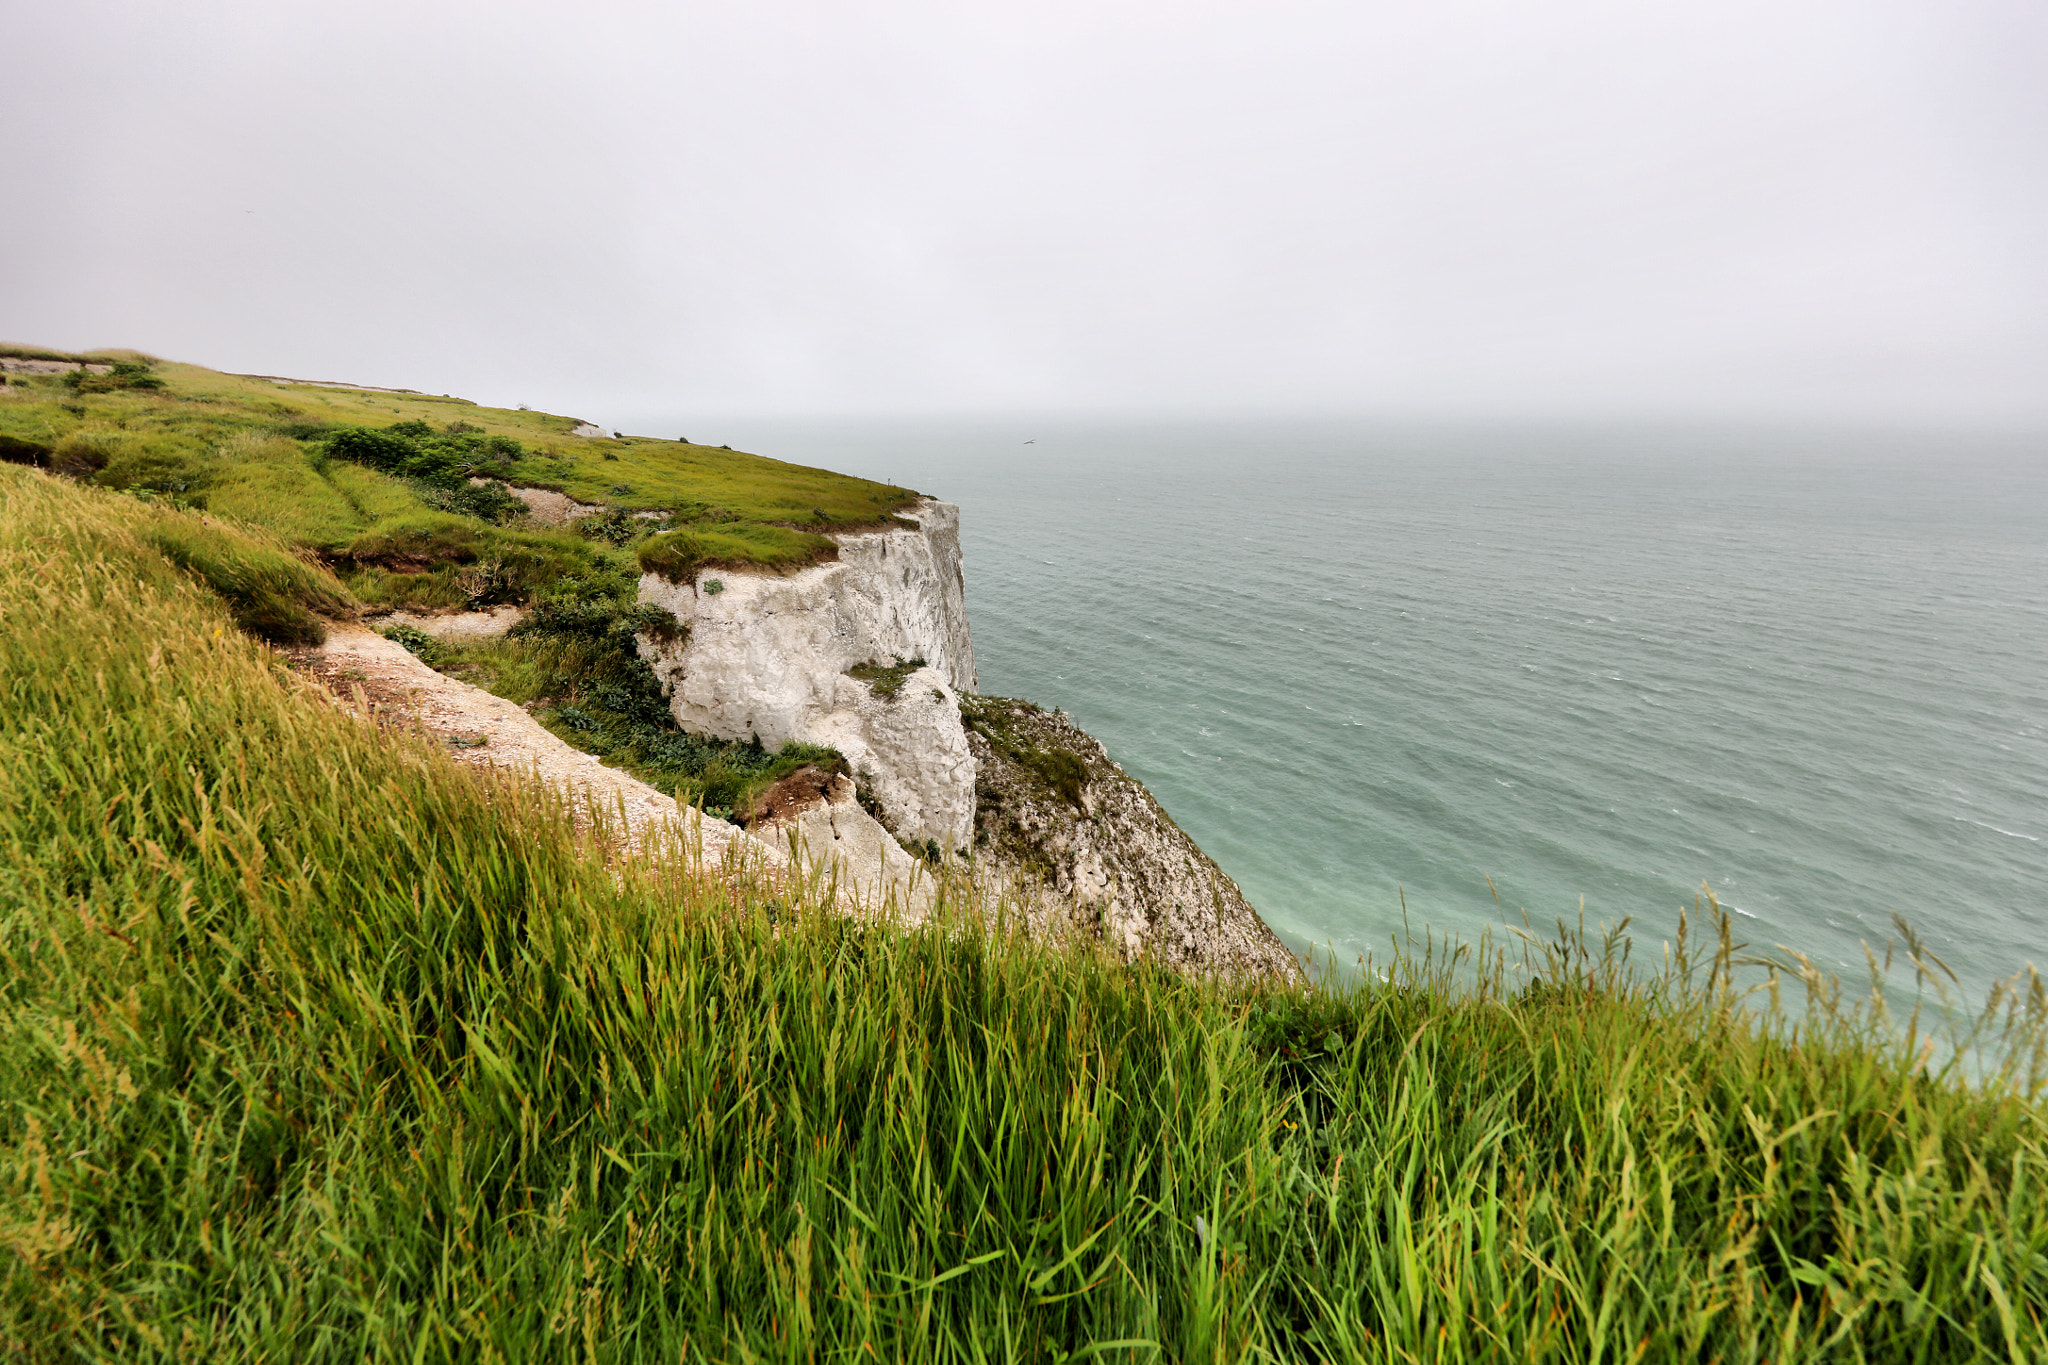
<point x="1786" y="208"/>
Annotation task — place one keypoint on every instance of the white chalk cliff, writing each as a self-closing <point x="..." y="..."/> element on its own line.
<point x="1051" y="823"/>
<point x="767" y="655"/>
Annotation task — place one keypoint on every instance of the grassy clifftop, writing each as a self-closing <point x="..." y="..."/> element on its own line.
<point x="315" y="1046"/>
<point x="380" y="483"/>
<point x="405" y="498"/>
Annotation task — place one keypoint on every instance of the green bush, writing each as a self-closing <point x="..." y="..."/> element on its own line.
<point x="617" y="526"/>
<point x="416" y="641"/>
<point x="125" y="374"/>
<point x="391" y="453"/>
<point x="415" y="450"/>
<point x="489" y="500"/>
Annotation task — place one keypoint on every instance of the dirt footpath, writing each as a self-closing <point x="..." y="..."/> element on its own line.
<point x="363" y="668"/>
<point x="822" y="836"/>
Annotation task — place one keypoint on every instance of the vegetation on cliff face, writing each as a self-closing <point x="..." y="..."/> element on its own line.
<point x="573" y="661"/>
<point x="317" y="1046"/>
<point x="1083" y="848"/>
<point x="885" y="680"/>
<point x="1037" y="744"/>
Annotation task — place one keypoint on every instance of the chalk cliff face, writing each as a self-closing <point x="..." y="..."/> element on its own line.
<point x="768" y="654"/>
<point x="1046" y="818"/>
<point x="1086" y="849"/>
<point x="832" y="840"/>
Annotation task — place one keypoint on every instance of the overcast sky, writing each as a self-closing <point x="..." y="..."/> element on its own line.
<point x="1802" y="208"/>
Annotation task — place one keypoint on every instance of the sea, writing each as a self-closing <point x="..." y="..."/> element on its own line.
<point x="1421" y="679"/>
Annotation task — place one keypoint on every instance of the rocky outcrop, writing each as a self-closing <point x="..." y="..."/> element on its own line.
<point x="769" y="654"/>
<point x="831" y="840"/>
<point x="870" y="654"/>
<point x="1085" y="848"/>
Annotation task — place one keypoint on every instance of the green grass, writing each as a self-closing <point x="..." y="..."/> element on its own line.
<point x="267" y="590"/>
<point x="316" y="1046"/>
<point x="232" y="446"/>
<point x="207" y="437"/>
<point x="885" y="680"/>
<point x="268" y="479"/>
<point x="15" y="350"/>
<point x="677" y="555"/>
<point x="712" y="486"/>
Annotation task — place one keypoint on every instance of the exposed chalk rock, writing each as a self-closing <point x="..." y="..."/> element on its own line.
<point x="834" y="841"/>
<point x="910" y="752"/>
<point x="549" y="508"/>
<point x="767" y="655"/>
<point x="1087" y="849"/>
<point x="1051" y="822"/>
<point x="459" y="625"/>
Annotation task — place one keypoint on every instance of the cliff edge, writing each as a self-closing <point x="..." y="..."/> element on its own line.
<point x="1086" y="848"/>
<point x="775" y="655"/>
<point x="871" y="654"/>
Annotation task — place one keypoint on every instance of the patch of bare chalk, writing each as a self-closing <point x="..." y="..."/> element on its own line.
<point x="549" y="508"/>
<point x="461" y="625"/>
<point x="836" y="846"/>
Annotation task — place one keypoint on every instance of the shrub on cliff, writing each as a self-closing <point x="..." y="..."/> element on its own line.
<point x="415" y="450"/>
<point x="124" y="374"/>
<point x="885" y="680"/>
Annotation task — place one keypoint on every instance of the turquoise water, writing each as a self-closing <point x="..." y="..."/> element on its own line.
<point x="1809" y="670"/>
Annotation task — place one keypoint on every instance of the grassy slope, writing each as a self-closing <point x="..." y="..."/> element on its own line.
<point x="253" y="450"/>
<point x="314" y="1046"/>
<point x="247" y="446"/>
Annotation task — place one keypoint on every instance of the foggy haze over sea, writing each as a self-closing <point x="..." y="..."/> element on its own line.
<point x="1596" y="446"/>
